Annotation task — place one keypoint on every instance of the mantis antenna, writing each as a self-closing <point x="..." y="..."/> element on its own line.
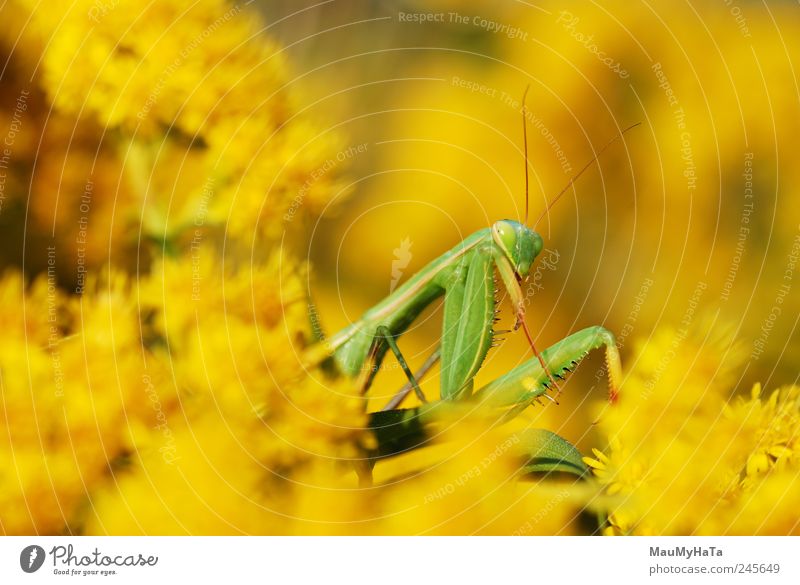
<point x="549" y="206"/>
<point x="525" y="147"/>
<point x="574" y="178"/>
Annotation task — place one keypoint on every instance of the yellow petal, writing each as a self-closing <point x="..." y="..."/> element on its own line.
<point x="755" y="391"/>
<point x="593" y="463"/>
<point x="778" y="451"/>
<point x="773" y="399"/>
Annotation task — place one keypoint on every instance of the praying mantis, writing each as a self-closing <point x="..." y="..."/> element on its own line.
<point x="464" y="276"/>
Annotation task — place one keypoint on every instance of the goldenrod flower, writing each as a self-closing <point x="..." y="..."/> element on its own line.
<point x="183" y="64"/>
<point x="206" y="135"/>
<point x="682" y="458"/>
<point x="155" y="131"/>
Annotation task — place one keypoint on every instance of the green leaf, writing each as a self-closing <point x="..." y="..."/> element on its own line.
<point x="546" y="452"/>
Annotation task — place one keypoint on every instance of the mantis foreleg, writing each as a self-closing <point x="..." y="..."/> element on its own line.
<point x="400" y="430"/>
<point x="530" y="380"/>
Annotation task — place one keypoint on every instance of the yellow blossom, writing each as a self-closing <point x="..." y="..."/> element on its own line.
<point x="683" y="458"/>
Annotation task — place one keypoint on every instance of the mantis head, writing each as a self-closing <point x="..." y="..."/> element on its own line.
<point x="519" y="243"/>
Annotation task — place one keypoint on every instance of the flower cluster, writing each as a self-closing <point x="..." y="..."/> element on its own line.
<point x="167" y="131"/>
<point x="682" y="458"/>
<point x="196" y="109"/>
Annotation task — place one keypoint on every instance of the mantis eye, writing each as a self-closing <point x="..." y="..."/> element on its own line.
<point x="506" y="237"/>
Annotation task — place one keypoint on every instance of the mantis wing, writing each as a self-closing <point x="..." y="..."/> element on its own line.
<point x="469" y="306"/>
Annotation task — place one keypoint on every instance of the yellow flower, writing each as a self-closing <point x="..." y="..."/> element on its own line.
<point x="681" y="458"/>
<point x="180" y="63"/>
<point x="463" y="482"/>
<point x="155" y="132"/>
<point x="196" y="479"/>
<point x="768" y="507"/>
<point x="774" y="423"/>
<point x="195" y="148"/>
<point x="231" y="339"/>
<point x="72" y="378"/>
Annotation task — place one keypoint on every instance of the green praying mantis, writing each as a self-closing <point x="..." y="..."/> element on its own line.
<point x="465" y="277"/>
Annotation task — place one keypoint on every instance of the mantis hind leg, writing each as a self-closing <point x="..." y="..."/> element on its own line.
<point x="400" y="395"/>
<point x="525" y="383"/>
<point x="384" y="335"/>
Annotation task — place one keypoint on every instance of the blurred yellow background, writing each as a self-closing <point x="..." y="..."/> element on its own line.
<point x="369" y="138"/>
